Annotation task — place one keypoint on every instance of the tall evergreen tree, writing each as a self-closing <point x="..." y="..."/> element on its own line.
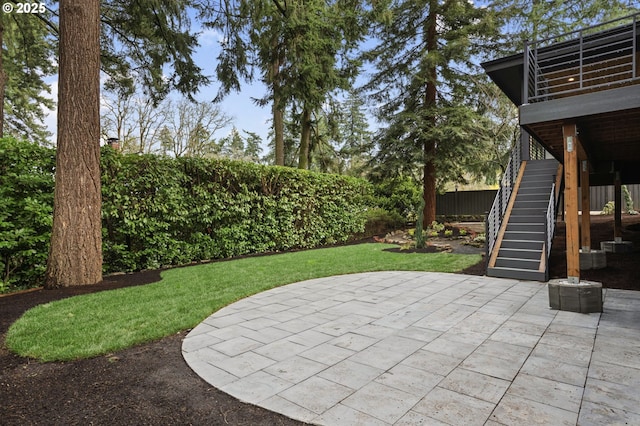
<point x="253" y="146"/>
<point x="300" y="50"/>
<point x="75" y="257"/>
<point x="27" y="58"/>
<point x="540" y="19"/>
<point x="151" y="43"/>
<point x="424" y="61"/>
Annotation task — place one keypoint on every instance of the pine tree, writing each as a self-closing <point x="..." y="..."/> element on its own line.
<point x="540" y="19"/>
<point x="75" y="257"/>
<point x="300" y="48"/>
<point x="27" y="52"/>
<point x="424" y="61"/>
<point x="253" y="146"/>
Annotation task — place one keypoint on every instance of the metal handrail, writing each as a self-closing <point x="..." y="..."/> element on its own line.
<point x="500" y="202"/>
<point x="590" y="59"/>
<point x="550" y="226"/>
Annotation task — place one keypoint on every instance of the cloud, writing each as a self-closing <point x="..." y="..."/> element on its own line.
<point x="210" y="37"/>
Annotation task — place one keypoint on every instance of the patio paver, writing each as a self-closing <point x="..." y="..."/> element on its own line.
<point x="405" y="348"/>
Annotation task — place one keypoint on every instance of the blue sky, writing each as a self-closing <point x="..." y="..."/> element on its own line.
<point x="246" y="115"/>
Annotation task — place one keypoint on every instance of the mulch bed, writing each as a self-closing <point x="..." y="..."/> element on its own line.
<point x="152" y="385"/>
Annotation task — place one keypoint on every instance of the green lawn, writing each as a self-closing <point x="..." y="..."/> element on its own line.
<point x="100" y="323"/>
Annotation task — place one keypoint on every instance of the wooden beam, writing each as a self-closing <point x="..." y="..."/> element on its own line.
<point x="585" y="231"/>
<point x="571" y="173"/>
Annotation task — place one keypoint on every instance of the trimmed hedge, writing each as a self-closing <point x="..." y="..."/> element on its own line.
<point x="161" y="211"/>
<point x="26" y="206"/>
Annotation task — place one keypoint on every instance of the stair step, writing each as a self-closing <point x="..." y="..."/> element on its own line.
<point x="523" y="218"/>
<point x="510" y="262"/>
<point x="540" y="169"/>
<point x="522" y="244"/>
<point x="524" y="235"/>
<point x="542" y="164"/>
<point x="524" y="226"/>
<point x="515" y="273"/>
<point x="533" y="204"/>
<point x="544" y="189"/>
<point x="534" y="196"/>
<point x="539" y="180"/>
<point x="520" y="253"/>
<point x="529" y="211"/>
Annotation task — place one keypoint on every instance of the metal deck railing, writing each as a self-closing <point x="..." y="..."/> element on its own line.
<point x="496" y="214"/>
<point x="596" y="58"/>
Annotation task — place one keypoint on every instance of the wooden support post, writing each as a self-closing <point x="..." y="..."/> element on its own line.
<point x="571" y="173"/>
<point x="617" y="224"/>
<point x="585" y="231"/>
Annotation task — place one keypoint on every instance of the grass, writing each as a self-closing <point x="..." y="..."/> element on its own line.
<point x="101" y="323"/>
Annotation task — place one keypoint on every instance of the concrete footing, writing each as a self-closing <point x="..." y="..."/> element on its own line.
<point x="616" y="246"/>
<point x="593" y="259"/>
<point x="584" y="297"/>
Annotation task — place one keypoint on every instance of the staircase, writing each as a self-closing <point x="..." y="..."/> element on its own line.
<point x="522" y="246"/>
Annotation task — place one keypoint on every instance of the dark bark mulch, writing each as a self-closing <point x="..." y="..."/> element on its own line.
<point x="146" y="385"/>
<point x="152" y="385"/>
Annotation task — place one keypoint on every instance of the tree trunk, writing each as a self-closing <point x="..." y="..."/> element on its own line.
<point x="305" y="138"/>
<point x="75" y="256"/>
<point x="429" y="146"/>
<point x="278" y="116"/>
<point x="278" y="130"/>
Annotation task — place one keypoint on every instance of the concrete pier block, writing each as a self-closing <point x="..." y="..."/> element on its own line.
<point x="616" y="246"/>
<point x="584" y="297"/>
<point x="593" y="259"/>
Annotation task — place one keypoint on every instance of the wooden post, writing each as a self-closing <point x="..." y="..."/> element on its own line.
<point x="617" y="224"/>
<point x="585" y="233"/>
<point x="571" y="201"/>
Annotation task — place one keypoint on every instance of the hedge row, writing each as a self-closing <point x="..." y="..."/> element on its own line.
<point x="163" y="211"/>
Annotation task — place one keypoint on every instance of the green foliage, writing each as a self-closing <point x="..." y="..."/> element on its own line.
<point x="161" y="211"/>
<point x="628" y="201"/>
<point x="26" y="200"/>
<point x="27" y="51"/>
<point x="401" y="195"/>
<point x="379" y="220"/>
<point x="424" y="87"/>
<point x="609" y="208"/>
<point x="151" y="41"/>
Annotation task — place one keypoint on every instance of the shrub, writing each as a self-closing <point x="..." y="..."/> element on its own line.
<point x="26" y="200"/>
<point x="401" y="195"/>
<point x="379" y="221"/>
<point x="609" y="208"/>
<point x="161" y="211"/>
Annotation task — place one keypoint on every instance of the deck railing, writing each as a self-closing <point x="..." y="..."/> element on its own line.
<point x="595" y="58"/>
<point x="496" y="214"/>
<point x="550" y="227"/>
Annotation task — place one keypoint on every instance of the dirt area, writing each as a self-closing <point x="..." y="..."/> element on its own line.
<point x="621" y="269"/>
<point x="152" y="385"/>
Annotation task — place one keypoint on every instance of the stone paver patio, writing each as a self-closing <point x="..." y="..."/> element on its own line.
<point x="421" y="348"/>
